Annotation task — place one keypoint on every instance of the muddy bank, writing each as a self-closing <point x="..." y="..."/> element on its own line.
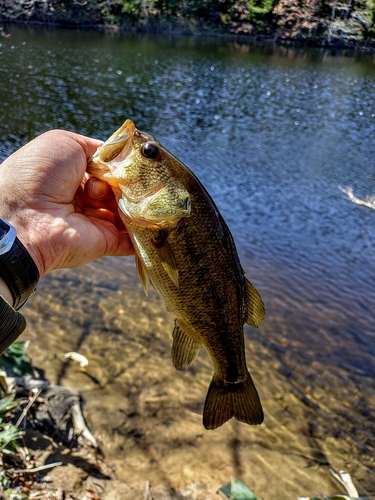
<point x="314" y="22"/>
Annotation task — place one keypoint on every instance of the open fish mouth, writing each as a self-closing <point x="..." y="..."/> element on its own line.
<point x="113" y="153"/>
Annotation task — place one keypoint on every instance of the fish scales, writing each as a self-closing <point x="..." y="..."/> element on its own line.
<point x="204" y="307"/>
<point x="186" y="250"/>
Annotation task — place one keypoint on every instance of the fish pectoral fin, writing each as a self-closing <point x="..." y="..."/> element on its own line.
<point x="142" y="274"/>
<point x="166" y="256"/>
<point x="255" y="307"/>
<point x="238" y="400"/>
<point x="184" y="348"/>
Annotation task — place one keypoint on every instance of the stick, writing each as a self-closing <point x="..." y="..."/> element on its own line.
<point x="35" y="469"/>
<point x="80" y="427"/>
<point x="24" y="413"/>
<point x="345" y="479"/>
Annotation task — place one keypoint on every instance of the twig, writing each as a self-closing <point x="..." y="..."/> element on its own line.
<point x="80" y="427"/>
<point x="35" y="469"/>
<point x="147" y="495"/>
<point x="26" y="383"/>
<point x="24" y="413"/>
<point x="345" y="479"/>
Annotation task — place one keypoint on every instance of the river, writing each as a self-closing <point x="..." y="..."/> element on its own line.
<point x="272" y="132"/>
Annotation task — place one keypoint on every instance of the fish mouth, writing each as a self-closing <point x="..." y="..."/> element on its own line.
<point x="112" y="153"/>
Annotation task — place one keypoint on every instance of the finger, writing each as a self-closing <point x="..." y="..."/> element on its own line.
<point x="98" y="190"/>
<point x="118" y="222"/>
<point x="107" y="215"/>
<point x="88" y="144"/>
<point x="102" y="214"/>
<point x="125" y="246"/>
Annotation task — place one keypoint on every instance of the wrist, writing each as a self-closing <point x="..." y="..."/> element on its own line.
<point x="25" y="223"/>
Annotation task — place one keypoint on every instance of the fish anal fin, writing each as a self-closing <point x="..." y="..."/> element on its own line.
<point x="224" y="401"/>
<point x="254" y="304"/>
<point x="184" y="348"/>
<point x="166" y="256"/>
<point x="142" y="274"/>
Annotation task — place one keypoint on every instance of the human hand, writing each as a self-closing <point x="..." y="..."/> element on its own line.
<point x="62" y="216"/>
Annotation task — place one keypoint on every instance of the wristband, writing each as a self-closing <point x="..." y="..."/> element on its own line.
<point x="12" y="324"/>
<point x="17" y="268"/>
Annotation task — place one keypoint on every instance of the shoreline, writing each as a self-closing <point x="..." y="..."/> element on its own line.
<point x="279" y="40"/>
<point x="285" y="25"/>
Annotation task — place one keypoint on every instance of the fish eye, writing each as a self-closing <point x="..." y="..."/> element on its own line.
<point x="150" y="150"/>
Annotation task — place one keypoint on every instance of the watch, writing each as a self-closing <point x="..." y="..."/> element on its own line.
<point x="17" y="268"/>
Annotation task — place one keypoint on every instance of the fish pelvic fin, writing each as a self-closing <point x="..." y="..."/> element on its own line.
<point x="238" y="400"/>
<point x="184" y="349"/>
<point x="255" y="307"/>
<point x="166" y="256"/>
<point x="142" y="274"/>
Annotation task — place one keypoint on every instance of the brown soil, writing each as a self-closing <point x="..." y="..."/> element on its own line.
<point x="148" y="417"/>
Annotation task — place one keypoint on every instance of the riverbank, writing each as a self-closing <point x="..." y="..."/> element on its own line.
<point x="328" y="23"/>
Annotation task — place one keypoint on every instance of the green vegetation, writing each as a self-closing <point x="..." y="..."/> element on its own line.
<point x="260" y="7"/>
<point x="17" y="360"/>
<point x="235" y="490"/>
<point x="8" y="432"/>
<point x="369" y="33"/>
<point x="14" y="360"/>
<point x="260" y="12"/>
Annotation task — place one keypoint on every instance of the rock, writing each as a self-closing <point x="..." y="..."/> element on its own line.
<point x="66" y="475"/>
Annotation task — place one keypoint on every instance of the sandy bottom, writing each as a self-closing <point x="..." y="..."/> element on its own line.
<point x="148" y="417"/>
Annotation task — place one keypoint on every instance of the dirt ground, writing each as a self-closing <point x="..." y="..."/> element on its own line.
<point x="148" y="418"/>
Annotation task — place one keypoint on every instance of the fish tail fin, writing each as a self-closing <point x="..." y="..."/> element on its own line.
<point x="224" y="401"/>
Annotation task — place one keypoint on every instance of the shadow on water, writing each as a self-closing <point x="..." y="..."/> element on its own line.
<point x="271" y="132"/>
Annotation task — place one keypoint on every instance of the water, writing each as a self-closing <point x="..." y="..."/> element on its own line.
<point x="272" y="133"/>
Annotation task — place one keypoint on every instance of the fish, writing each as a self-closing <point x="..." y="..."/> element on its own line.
<point x="185" y="249"/>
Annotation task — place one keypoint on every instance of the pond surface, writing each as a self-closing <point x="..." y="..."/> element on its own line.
<point x="272" y="132"/>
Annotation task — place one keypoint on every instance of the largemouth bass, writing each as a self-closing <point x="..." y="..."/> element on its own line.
<point x="184" y="247"/>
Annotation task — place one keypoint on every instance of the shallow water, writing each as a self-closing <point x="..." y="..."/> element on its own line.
<point x="272" y="132"/>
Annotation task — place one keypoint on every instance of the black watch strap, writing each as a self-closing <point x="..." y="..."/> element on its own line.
<point x="19" y="272"/>
<point x="12" y="324"/>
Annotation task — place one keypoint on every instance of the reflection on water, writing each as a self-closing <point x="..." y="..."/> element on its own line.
<point x="272" y="133"/>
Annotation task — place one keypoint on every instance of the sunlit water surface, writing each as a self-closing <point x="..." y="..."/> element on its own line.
<point x="272" y="132"/>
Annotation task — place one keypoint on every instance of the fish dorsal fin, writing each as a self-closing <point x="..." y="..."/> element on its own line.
<point x="255" y="307"/>
<point x="142" y="274"/>
<point x="166" y="256"/>
<point x="184" y="348"/>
